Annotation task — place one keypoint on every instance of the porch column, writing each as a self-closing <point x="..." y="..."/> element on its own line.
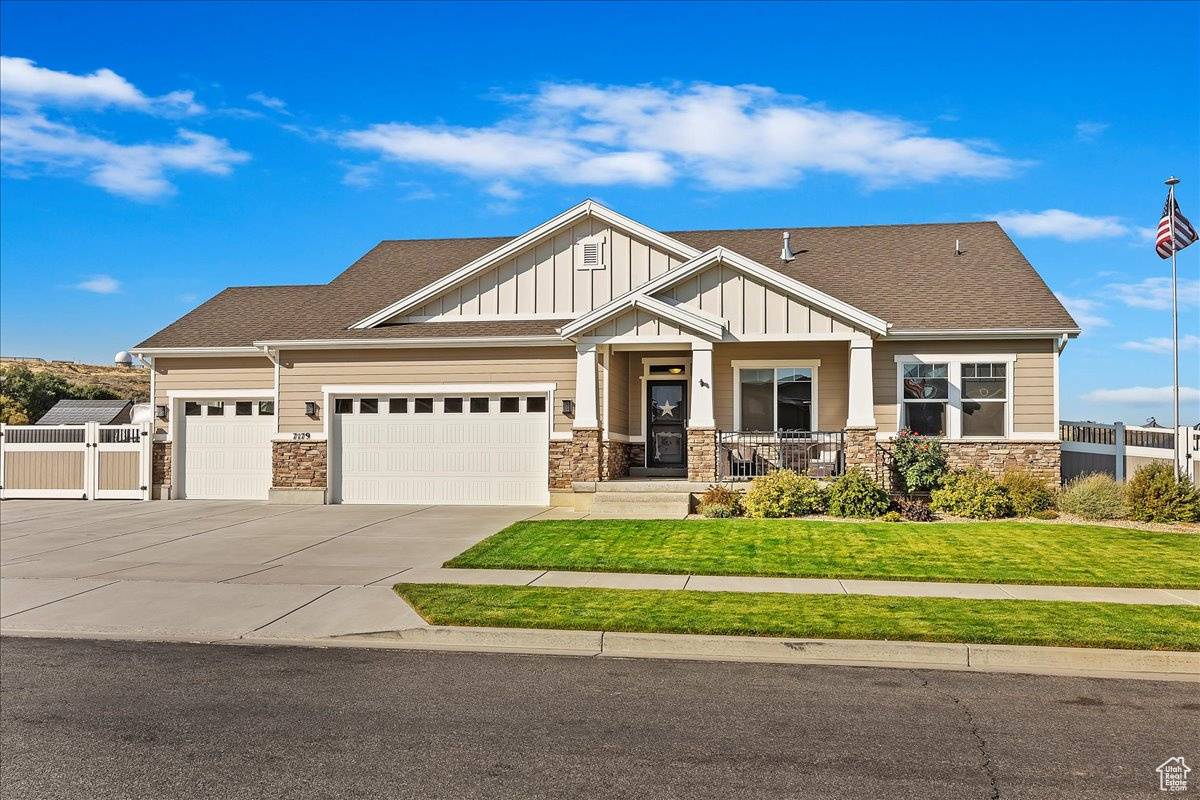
<point x="862" y="384"/>
<point x="585" y="387"/>
<point x="701" y="389"/>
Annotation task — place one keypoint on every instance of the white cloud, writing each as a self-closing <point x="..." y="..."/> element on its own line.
<point x="726" y="137"/>
<point x="1084" y="311"/>
<point x="1142" y="395"/>
<point x="1162" y="344"/>
<point x="359" y="175"/>
<point x="1090" y="131"/>
<point x="273" y="103"/>
<point x="23" y="82"/>
<point x="100" y="284"/>
<point x="138" y="171"/>
<point x="503" y="190"/>
<point x="1058" y="224"/>
<point x="1155" y="293"/>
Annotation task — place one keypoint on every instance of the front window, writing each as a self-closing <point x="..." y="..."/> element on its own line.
<point x="926" y="398"/>
<point x="776" y="398"/>
<point x="985" y="399"/>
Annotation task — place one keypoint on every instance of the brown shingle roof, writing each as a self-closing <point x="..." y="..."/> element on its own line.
<point x="907" y="275"/>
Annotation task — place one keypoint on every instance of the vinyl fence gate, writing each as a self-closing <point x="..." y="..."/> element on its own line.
<point x="77" y="462"/>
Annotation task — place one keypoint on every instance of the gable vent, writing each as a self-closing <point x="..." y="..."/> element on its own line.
<point x="589" y="252"/>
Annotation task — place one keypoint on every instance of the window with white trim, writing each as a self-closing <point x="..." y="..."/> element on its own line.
<point x="967" y="398"/>
<point x="776" y="398"/>
<point x="984" y="399"/>
<point x="926" y="398"/>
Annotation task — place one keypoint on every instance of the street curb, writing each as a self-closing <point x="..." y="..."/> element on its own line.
<point x="942" y="655"/>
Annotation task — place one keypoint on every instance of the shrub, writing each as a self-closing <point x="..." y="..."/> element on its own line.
<point x="891" y="516"/>
<point x="1028" y="494"/>
<point x="1049" y="513"/>
<point x="720" y="502"/>
<point x="1154" y="495"/>
<point x="783" y="493"/>
<point x="855" y="494"/>
<point x="915" y="510"/>
<point x="971" y="493"/>
<point x="1095" y="496"/>
<point x="920" y="460"/>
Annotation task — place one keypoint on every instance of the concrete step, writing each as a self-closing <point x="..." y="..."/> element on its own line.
<point x="680" y="486"/>
<point x="641" y="497"/>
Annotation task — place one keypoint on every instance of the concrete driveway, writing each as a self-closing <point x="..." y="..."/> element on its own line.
<point x="218" y="570"/>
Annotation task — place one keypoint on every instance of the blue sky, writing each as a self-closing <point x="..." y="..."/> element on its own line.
<point x="155" y="153"/>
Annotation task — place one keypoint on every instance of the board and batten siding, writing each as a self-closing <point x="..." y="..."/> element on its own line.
<point x="750" y="307"/>
<point x="211" y="373"/>
<point x="1033" y="378"/>
<point x="543" y="279"/>
<point x="304" y="372"/>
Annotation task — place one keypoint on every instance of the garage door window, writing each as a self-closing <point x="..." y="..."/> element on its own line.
<point x="343" y="405"/>
<point x="266" y="408"/>
<point x="479" y="405"/>
<point x="398" y="405"/>
<point x="452" y="405"/>
<point x="535" y="405"/>
<point x="216" y="408"/>
<point x="191" y="409"/>
<point x="244" y="408"/>
<point x="368" y="405"/>
<point x="423" y="405"/>
<point x="510" y="405"/>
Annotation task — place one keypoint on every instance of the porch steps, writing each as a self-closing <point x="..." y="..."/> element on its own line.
<point x="650" y="499"/>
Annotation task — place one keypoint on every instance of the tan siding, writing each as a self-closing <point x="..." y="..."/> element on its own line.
<point x="543" y="279"/>
<point x="305" y="372"/>
<point x="1033" y="378"/>
<point x="119" y="470"/>
<point x="216" y="374"/>
<point x="44" y="470"/>
<point x="832" y="376"/>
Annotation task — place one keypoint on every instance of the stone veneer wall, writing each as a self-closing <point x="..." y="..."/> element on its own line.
<point x="615" y="461"/>
<point x="1040" y="459"/>
<point x="576" y="460"/>
<point x="861" y="449"/>
<point x="702" y="454"/>
<point x="299" y="465"/>
<point x="160" y="464"/>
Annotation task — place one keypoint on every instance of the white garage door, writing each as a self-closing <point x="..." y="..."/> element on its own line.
<point x="227" y="449"/>
<point x="450" y="449"/>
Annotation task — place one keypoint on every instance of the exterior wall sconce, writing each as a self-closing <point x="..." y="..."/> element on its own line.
<point x="310" y="408"/>
<point x="568" y="407"/>
<point x="160" y="412"/>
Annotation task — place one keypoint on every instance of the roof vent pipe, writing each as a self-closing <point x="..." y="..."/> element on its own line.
<point x="786" y="255"/>
<point x="957" y="250"/>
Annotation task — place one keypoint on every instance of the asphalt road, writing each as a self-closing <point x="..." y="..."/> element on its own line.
<point x="83" y="719"/>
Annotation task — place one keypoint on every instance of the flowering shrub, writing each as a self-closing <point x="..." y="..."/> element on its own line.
<point x="972" y="493"/>
<point x="783" y="493"/>
<point x="855" y="494"/>
<point x="720" y="502"/>
<point x="920" y="460"/>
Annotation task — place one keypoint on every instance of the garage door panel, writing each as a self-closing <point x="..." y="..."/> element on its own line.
<point x="456" y="458"/>
<point x="226" y="457"/>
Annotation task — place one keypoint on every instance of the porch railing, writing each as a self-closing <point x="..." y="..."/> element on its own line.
<point x="743" y="455"/>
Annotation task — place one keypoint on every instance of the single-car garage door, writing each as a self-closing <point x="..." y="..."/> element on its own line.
<point x="468" y="449"/>
<point x="226" y="449"/>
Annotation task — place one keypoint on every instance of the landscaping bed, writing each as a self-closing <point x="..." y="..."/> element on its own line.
<point x="979" y="552"/>
<point x="926" y="619"/>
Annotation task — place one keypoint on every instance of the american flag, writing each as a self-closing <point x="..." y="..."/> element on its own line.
<point x="1185" y="234"/>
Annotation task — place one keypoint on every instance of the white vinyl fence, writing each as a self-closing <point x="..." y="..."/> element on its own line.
<point x="79" y="462"/>
<point x="1119" y="449"/>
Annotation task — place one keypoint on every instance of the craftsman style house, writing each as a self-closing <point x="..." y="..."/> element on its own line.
<point x="516" y="371"/>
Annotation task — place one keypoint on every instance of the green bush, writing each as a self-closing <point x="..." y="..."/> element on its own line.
<point x="720" y="502"/>
<point x="891" y="516"/>
<point x="920" y="460"/>
<point x="1154" y="495"/>
<point x="783" y="493"/>
<point x="971" y="493"/>
<point x="1095" y="496"/>
<point x="1049" y="513"/>
<point x="719" y="510"/>
<point x="855" y="494"/>
<point x="1027" y="493"/>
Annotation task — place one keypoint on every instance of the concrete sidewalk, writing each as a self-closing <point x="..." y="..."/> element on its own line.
<point x="717" y="583"/>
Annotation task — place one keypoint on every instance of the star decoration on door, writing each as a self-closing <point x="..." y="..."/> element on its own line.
<point x="667" y="409"/>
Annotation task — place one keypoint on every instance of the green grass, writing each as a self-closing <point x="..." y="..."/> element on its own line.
<point x="997" y="552"/>
<point x="926" y="619"/>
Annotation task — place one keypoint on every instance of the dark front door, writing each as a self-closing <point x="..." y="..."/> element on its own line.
<point x="666" y="437"/>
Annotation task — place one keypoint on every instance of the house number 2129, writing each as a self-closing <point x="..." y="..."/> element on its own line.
<point x="301" y="435"/>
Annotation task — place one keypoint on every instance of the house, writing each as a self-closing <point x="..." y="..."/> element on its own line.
<point x="77" y="412"/>
<point x="517" y="370"/>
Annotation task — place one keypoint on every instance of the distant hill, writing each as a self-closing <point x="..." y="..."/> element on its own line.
<point x="132" y="383"/>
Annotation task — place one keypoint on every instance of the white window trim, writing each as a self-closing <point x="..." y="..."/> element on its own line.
<point x="954" y="364"/>
<point x="738" y="366"/>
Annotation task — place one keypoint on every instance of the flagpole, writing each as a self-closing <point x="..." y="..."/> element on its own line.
<point x="1171" y="182"/>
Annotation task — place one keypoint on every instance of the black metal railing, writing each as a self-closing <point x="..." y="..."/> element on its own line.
<point x="743" y="455"/>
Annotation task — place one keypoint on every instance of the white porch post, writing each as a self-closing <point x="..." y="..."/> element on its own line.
<point x="585" y="387"/>
<point x="862" y="384"/>
<point x="701" y="389"/>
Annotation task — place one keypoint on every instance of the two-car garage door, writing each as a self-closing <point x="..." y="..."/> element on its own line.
<point x="450" y="449"/>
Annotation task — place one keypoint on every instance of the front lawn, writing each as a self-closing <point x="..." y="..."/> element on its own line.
<point x="925" y="619"/>
<point x="984" y="552"/>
